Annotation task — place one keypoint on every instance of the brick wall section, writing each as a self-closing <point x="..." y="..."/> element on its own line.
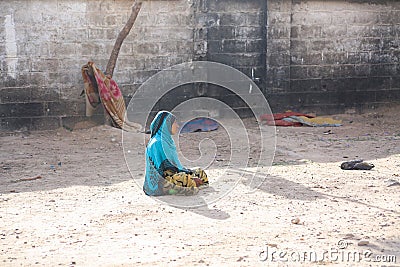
<point x="235" y="35"/>
<point x="234" y="31"/>
<point x="305" y="55"/>
<point x="333" y="55"/>
<point x="44" y="43"/>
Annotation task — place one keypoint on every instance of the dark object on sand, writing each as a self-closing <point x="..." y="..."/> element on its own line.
<point x="28" y="179"/>
<point x="200" y="125"/>
<point x="356" y="165"/>
<point x="391" y="182"/>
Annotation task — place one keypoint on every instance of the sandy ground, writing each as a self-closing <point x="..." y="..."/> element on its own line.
<point x="83" y="208"/>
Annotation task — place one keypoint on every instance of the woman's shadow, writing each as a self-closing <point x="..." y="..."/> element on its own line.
<point x="196" y="204"/>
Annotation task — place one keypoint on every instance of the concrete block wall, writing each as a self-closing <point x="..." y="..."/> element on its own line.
<point x="44" y="43"/>
<point x="333" y="55"/>
<point x="234" y="33"/>
<point x="306" y="55"/>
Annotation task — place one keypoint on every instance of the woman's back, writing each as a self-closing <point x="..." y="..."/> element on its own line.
<point x="164" y="172"/>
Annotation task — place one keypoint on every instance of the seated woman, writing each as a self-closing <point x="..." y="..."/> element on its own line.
<point x="165" y="174"/>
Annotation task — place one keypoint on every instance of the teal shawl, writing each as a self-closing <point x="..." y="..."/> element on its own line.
<point x="161" y="154"/>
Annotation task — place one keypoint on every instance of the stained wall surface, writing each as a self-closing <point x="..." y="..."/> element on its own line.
<point x="325" y="56"/>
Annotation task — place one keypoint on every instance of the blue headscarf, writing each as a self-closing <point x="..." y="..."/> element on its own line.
<point x="160" y="152"/>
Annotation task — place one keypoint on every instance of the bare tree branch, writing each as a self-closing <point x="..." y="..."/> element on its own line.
<point x="137" y="5"/>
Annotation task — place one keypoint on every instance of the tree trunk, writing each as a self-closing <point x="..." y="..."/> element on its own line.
<point x="137" y="5"/>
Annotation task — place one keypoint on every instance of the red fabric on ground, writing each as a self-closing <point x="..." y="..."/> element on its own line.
<point x="277" y="118"/>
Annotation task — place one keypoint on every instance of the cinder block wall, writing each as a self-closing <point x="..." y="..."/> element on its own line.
<point x="235" y="35"/>
<point x="333" y="55"/>
<point x="44" y="43"/>
<point x="324" y="56"/>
